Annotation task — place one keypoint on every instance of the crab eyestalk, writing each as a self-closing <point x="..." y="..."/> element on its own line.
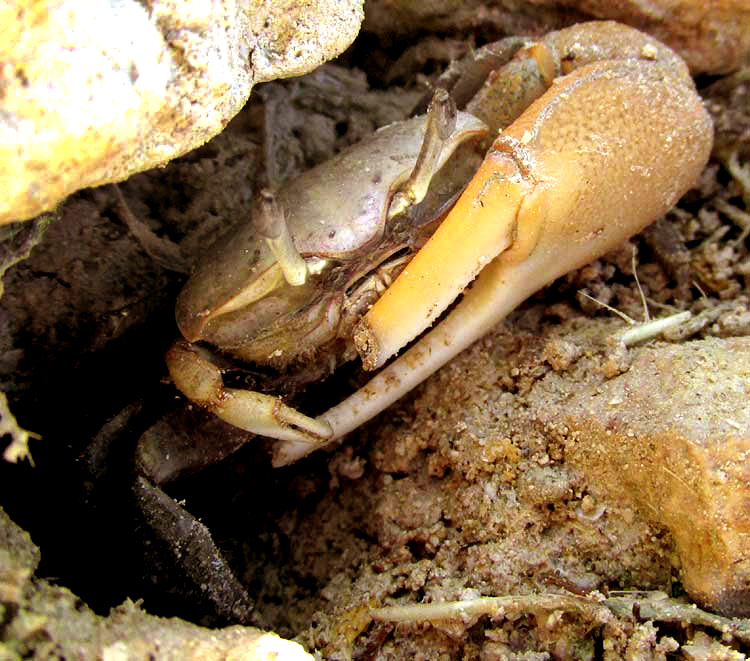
<point x="441" y="124"/>
<point x="269" y="221"/>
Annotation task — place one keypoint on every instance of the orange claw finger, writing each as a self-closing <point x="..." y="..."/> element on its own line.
<point x="600" y="155"/>
<point x="452" y="258"/>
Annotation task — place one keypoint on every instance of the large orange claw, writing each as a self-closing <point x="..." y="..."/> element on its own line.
<point x="610" y="146"/>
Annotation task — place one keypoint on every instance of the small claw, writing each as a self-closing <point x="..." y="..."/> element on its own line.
<point x="268" y="218"/>
<point x="268" y="416"/>
<point x="200" y="381"/>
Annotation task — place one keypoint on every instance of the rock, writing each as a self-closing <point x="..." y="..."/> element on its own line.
<point x="92" y="93"/>
<point x="672" y="437"/>
<point x="38" y="616"/>
<point x="711" y="37"/>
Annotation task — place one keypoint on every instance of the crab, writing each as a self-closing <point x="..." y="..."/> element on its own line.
<point x="599" y="132"/>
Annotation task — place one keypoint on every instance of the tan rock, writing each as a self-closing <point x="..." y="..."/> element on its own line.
<point x="672" y="436"/>
<point x="91" y="93"/>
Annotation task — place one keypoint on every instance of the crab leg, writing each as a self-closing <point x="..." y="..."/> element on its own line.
<point x="604" y="152"/>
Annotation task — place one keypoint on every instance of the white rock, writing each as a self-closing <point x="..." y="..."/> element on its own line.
<point x="91" y="92"/>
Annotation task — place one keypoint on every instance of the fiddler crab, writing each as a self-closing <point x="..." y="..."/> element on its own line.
<point x="599" y="130"/>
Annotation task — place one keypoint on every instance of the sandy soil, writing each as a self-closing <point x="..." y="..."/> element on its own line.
<point x="518" y="471"/>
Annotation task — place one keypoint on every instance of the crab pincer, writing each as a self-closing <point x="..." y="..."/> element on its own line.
<point x="616" y="136"/>
<point x="285" y="288"/>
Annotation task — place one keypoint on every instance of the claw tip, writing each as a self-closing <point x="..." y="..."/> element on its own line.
<point x="367" y="345"/>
